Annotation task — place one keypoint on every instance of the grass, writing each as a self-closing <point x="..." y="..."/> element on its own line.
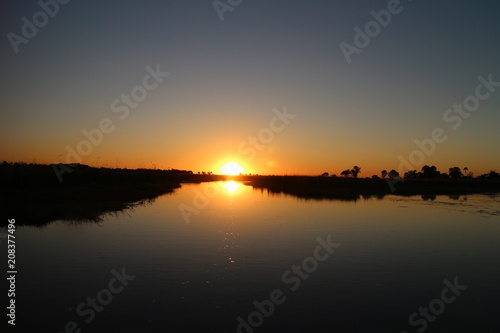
<point x="352" y="188"/>
<point x="33" y="195"/>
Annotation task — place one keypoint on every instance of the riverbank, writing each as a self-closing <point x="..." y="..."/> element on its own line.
<point x="352" y="188"/>
<point x="33" y="195"/>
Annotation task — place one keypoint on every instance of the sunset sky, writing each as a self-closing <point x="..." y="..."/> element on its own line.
<point x="226" y="78"/>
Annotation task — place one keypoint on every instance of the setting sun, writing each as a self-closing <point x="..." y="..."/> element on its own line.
<point x="231" y="169"/>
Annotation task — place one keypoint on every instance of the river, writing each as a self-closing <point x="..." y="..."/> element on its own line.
<point x="245" y="260"/>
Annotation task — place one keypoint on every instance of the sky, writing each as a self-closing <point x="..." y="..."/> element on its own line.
<point x="280" y="87"/>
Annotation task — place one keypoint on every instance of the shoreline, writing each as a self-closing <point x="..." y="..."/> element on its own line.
<point x="32" y="194"/>
<point x="337" y="187"/>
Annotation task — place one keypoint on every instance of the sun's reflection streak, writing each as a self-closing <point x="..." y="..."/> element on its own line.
<point x="231" y="186"/>
<point x="230" y="234"/>
<point x="230" y="243"/>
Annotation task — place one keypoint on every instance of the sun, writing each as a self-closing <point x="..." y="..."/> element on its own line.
<point x="231" y="169"/>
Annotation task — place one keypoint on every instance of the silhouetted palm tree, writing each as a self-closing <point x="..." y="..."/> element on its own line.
<point x="467" y="173"/>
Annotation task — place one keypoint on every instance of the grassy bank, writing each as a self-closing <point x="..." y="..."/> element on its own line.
<point x="353" y="188"/>
<point x="33" y="195"/>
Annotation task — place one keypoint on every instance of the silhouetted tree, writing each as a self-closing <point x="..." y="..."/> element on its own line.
<point x="455" y="172"/>
<point x="393" y="174"/>
<point x="467" y="173"/>
<point x="345" y="173"/>
<point x="384" y="173"/>
<point x="430" y="171"/>
<point x="355" y="170"/>
<point x="410" y="174"/>
<point x="491" y="175"/>
<point x="324" y="174"/>
<point x="494" y="174"/>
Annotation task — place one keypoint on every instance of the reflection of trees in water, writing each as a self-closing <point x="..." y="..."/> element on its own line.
<point x="315" y="196"/>
<point x="73" y="214"/>
<point x="34" y="195"/>
<point x="429" y="197"/>
<point x="355" y="197"/>
<point x="457" y="197"/>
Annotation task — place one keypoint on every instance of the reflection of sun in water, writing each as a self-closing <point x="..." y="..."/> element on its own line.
<point x="231" y="186"/>
<point x="231" y="169"/>
<point x="229" y="249"/>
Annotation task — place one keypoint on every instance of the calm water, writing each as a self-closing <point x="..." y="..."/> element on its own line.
<point x="392" y="257"/>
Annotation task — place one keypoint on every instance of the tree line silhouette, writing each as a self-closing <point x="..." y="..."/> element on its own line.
<point x="426" y="172"/>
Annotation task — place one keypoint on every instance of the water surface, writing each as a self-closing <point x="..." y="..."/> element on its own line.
<point x="393" y="257"/>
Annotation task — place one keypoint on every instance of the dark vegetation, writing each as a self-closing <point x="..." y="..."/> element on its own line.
<point x="427" y="172"/>
<point x="33" y="195"/>
<point x="340" y="188"/>
<point x="428" y="182"/>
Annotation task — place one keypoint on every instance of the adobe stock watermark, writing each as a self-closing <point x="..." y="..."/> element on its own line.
<point x="373" y="28"/>
<point x="277" y="124"/>
<point x="453" y="116"/>
<point x="103" y="298"/>
<point x="30" y="28"/>
<point x="120" y="106"/>
<point x="436" y="307"/>
<point x="222" y="6"/>
<point x="247" y="148"/>
<point x="292" y="278"/>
